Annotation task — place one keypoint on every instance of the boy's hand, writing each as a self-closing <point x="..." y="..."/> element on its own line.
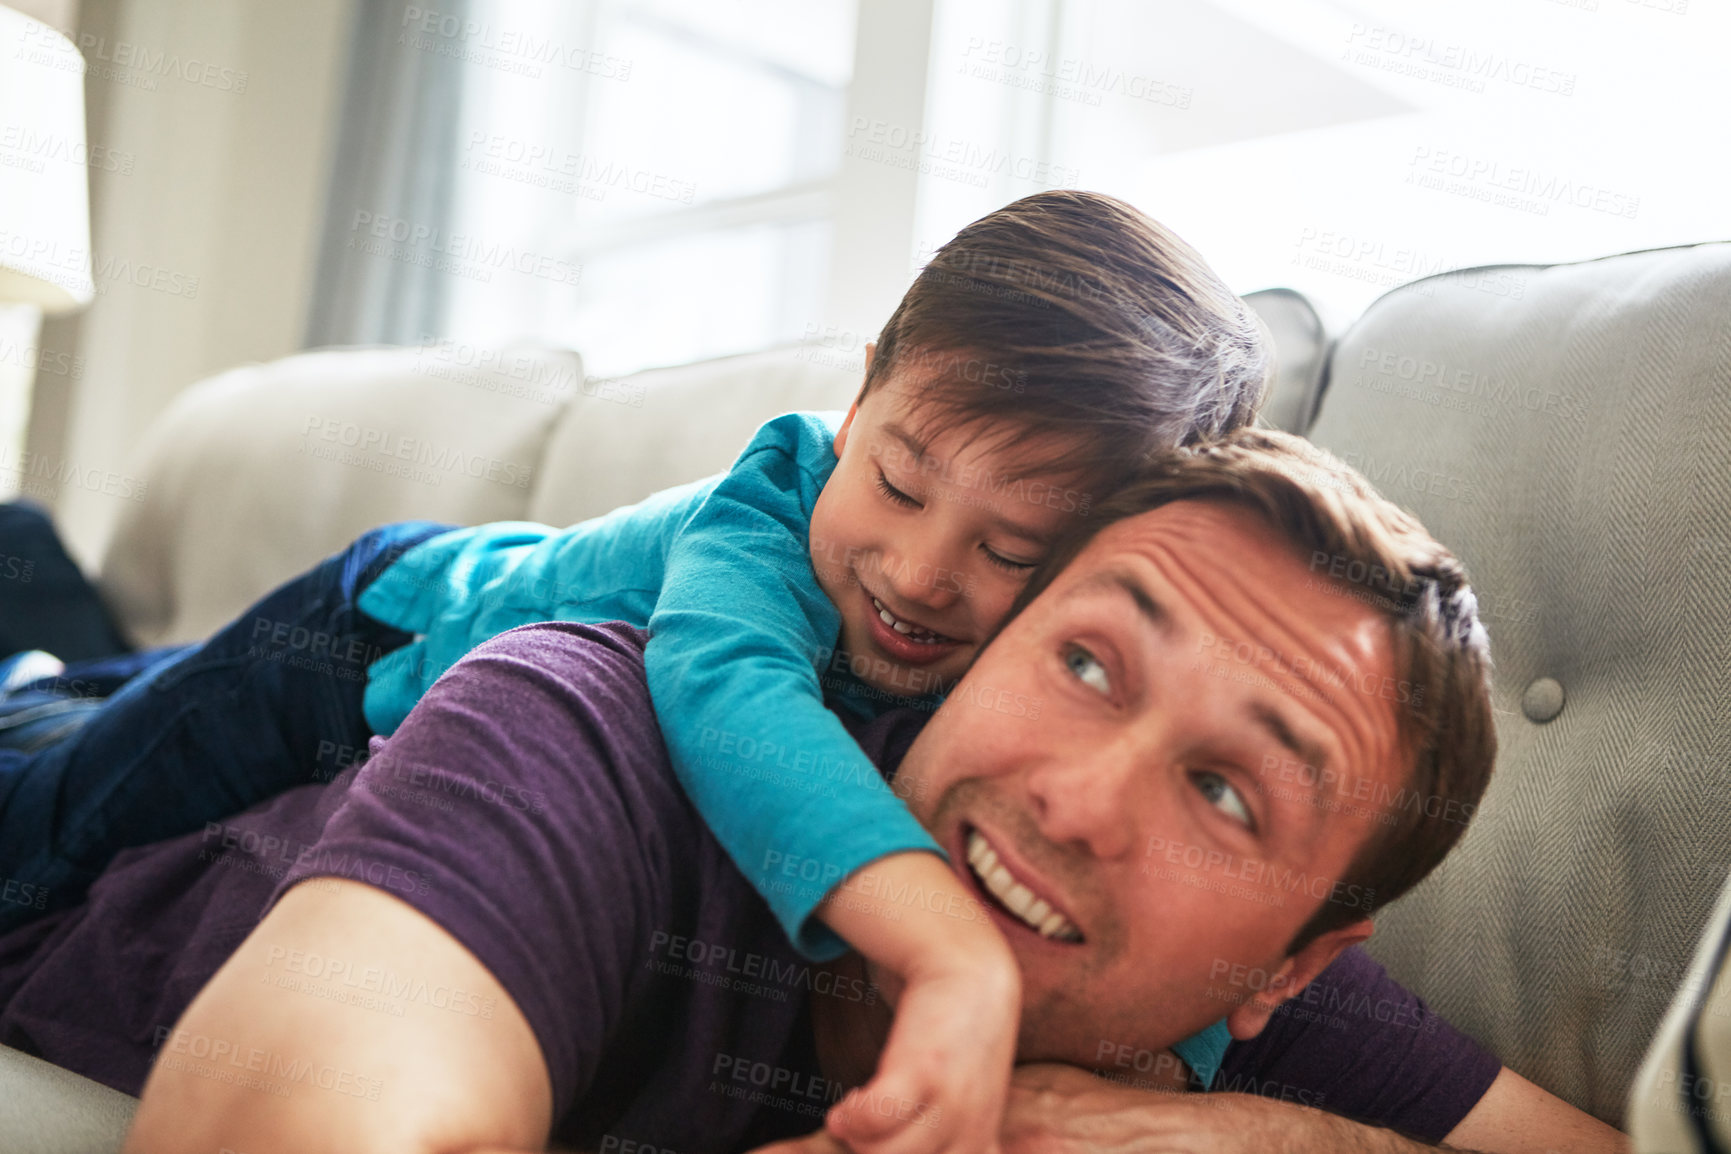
<point x="944" y="1075"/>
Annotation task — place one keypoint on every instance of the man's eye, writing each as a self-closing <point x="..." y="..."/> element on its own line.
<point x="1221" y="793"/>
<point x="1007" y="564"/>
<point x="1088" y="670"/>
<point x="893" y="493"/>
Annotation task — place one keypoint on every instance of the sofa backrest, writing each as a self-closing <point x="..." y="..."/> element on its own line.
<point x="1567" y="431"/>
<point x="257" y="473"/>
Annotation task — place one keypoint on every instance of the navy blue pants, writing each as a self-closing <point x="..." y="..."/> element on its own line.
<point x="195" y="733"/>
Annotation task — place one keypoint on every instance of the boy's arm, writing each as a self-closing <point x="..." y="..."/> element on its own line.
<point x="735" y="639"/>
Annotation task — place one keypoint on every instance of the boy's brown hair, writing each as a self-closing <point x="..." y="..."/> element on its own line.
<point x="1359" y="543"/>
<point x="1073" y="313"/>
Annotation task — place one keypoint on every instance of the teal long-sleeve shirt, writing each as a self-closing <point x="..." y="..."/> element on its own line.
<point x="718" y="572"/>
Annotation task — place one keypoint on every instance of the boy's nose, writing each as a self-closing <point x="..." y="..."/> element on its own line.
<point x="925" y="583"/>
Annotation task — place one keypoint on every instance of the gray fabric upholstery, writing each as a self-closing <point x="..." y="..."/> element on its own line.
<point x="1572" y="442"/>
<point x="1300" y="353"/>
<point x="47" y="1110"/>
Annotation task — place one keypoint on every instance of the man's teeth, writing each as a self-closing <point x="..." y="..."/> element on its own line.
<point x="922" y="636"/>
<point x="1017" y="898"/>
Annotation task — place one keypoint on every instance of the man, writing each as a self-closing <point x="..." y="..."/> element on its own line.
<point x="517" y="962"/>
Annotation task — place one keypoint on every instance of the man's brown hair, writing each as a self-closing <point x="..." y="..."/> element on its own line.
<point x="1368" y="549"/>
<point x="1073" y="313"/>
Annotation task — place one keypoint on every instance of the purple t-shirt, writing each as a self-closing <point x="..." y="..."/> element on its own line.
<point x="528" y="807"/>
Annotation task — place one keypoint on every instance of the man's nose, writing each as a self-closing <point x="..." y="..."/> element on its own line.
<point x="1085" y="797"/>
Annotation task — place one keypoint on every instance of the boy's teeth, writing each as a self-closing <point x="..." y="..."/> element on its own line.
<point x="1017" y="898"/>
<point x="901" y="627"/>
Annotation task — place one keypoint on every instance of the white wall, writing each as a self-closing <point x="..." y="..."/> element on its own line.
<point x="219" y="115"/>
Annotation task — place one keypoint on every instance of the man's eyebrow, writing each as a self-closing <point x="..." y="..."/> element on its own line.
<point x="1307" y="753"/>
<point x="1117" y="580"/>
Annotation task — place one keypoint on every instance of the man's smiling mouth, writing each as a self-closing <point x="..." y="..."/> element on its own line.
<point x="1014" y="897"/>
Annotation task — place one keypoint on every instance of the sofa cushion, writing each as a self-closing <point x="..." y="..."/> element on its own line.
<point x="1300" y="352"/>
<point x="1567" y="431"/>
<point x="631" y="437"/>
<point x="254" y="475"/>
<point x="47" y="1110"/>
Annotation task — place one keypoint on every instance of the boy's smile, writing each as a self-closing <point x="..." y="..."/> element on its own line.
<point x="926" y="532"/>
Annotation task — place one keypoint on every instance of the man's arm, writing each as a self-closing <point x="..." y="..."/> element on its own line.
<point x="257" y="1065"/>
<point x="1516" y="1116"/>
<point x="1062" y="1110"/>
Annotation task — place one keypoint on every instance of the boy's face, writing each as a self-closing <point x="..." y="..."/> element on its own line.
<point x="923" y="539"/>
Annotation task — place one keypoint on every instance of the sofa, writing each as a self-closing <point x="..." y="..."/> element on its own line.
<point x="1566" y="429"/>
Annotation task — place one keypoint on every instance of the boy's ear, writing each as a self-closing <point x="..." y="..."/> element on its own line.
<point x="1295" y="973"/>
<point x="871" y="348"/>
<point x="841" y="433"/>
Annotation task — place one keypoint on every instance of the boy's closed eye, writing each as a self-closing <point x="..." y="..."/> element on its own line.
<point x="1010" y="562"/>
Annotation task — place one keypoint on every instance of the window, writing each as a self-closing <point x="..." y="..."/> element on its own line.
<point x="674" y="159"/>
<point x="1344" y="148"/>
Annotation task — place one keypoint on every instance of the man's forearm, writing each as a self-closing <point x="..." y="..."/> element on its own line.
<point x="1061" y="1110"/>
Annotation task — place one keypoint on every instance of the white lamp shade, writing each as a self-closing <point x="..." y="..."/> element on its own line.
<point x="44" y="190"/>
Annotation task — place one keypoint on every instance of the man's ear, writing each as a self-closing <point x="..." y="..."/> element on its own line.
<point x="1295" y="973"/>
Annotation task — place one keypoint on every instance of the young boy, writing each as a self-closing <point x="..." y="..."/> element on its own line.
<point x="1037" y="361"/>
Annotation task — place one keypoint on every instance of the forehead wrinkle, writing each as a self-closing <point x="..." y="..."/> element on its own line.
<point x="1332" y="707"/>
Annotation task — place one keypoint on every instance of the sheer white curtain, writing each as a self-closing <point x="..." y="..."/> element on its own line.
<point x="379" y="278"/>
